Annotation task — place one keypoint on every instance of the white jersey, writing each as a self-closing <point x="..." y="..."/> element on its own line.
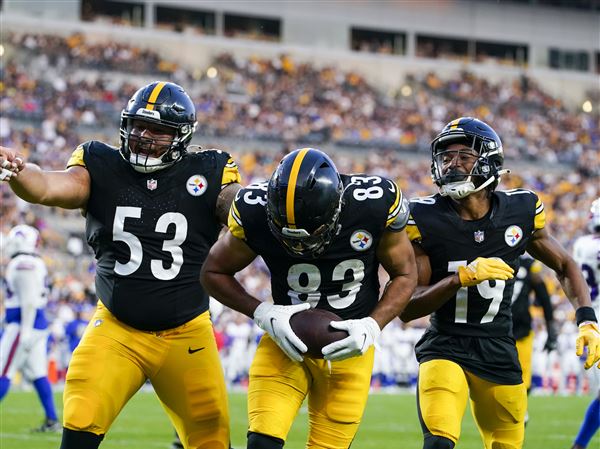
<point x="23" y="343"/>
<point x="26" y="295"/>
<point x="586" y="253"/>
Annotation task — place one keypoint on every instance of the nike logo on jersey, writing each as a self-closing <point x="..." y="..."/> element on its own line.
<point x="191" y="351"/>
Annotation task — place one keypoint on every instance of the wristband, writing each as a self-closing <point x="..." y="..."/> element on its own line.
<point x="585" y="314"/>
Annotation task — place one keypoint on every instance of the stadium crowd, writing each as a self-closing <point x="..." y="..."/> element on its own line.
<point x="52" y="101"/>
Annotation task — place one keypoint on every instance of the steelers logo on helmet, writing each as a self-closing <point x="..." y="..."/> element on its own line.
<point x="361" y="240"/>
<point x="196" y="185"/>
<point x="513" y="235"/>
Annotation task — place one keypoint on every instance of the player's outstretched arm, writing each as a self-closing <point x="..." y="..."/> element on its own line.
<point x="226" y="257"/>
<point x="69" y="188"/>
<point x="551" y="253"/>
<point x="230" y="255"/>
<point x="547" y="250"/>
<point x="396" y="255"/>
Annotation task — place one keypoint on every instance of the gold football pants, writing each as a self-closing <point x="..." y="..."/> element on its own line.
<point x="114" y="360"/>
<point x="337" y="395"/>
<point x="525" y="351"/>
<point x="499" y="410"/>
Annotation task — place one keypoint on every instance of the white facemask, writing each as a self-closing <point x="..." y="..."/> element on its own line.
<point x="146" y="164"/>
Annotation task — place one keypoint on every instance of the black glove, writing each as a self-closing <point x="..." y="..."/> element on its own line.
<point x="552" y="341"/>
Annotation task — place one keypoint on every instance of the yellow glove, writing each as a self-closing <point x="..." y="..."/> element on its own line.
<point x="484" y="269"/>
<point x="590" y="337"/>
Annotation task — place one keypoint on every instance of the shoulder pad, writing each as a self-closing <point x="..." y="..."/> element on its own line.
<point x="412" y="229"/>
<point x="246" y="199"/>
<point x="77" y="157"/>
<point x="539" y="220"/>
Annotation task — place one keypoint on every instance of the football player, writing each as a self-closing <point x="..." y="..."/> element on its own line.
<point x="322" y="236"/>
<point x="23" y="345"/>
<point x="153" y="211"/>
<point x="586" y="252"/>
<point x="467" y="241"/>
<point x="527" y="280"/>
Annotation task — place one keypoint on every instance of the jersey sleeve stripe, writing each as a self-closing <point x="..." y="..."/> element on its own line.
<point x="76" y="158"/>
<point x="395" y="208"/>
<point x="154" y="95"/>
<point x="540" y="215"/>
<point x="540" y="220"/>
<point x="539" y="209"/>
<point x="231" y="174"/>
<point x="234" y="223"/>
<point x="291" y="191"/>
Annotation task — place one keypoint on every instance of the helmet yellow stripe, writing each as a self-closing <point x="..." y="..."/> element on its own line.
<point x="291" y="191"/>
<point x="154" y="95"/>
<point x="454" y="123"/>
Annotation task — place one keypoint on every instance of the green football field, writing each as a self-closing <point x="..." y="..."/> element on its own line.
<point x="390" y="422"/>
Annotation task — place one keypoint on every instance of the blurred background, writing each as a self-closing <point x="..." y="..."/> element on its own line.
<point x="369" y="82"/>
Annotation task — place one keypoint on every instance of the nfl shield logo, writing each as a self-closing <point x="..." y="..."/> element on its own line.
<point x="479" y="236"/>
<point x="152" y="184"/>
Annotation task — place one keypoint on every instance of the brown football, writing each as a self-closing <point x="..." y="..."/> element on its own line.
<point x="312" y="327"/>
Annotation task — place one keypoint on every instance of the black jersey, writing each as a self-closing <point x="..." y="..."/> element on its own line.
<point x="151" y="232"/>
<point x="449" y="241"/>
<point x="474" y="328"/>
<point x="344" y="278"/>
<point x="524" y="285"/>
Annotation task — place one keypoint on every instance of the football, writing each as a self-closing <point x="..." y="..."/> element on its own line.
<point x="312" y="327"/>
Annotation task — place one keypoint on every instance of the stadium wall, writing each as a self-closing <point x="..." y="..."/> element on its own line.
<point x="323" y="37"/>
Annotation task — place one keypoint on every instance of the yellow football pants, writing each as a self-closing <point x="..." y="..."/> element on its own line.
<point x="499" y="410"/>
<point x="525" y="351"/>
<point x="114" y="360"/>
<point x="337" y="395"/>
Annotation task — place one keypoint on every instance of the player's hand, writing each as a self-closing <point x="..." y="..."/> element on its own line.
<point x="484" y="269"/>
<point x="275" y="320"/>
<point x="589" y="337"/>
<point x="552" y="340"/>
<point x="11" y="163"/>
<point x="361" y="336"/>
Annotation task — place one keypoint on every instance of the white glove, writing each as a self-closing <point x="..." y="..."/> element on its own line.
<point x="6" y="173"/>
<point x="362" y="334"/>
<point x="275" y="320"/>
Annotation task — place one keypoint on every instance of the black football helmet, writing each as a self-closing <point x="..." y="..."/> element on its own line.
<point x="160" y="103"/>
<point x="487" y="169"/>
<point x="304" y="200"/>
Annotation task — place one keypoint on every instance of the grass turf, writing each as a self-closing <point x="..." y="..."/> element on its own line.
<point x="390" y="422"/>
